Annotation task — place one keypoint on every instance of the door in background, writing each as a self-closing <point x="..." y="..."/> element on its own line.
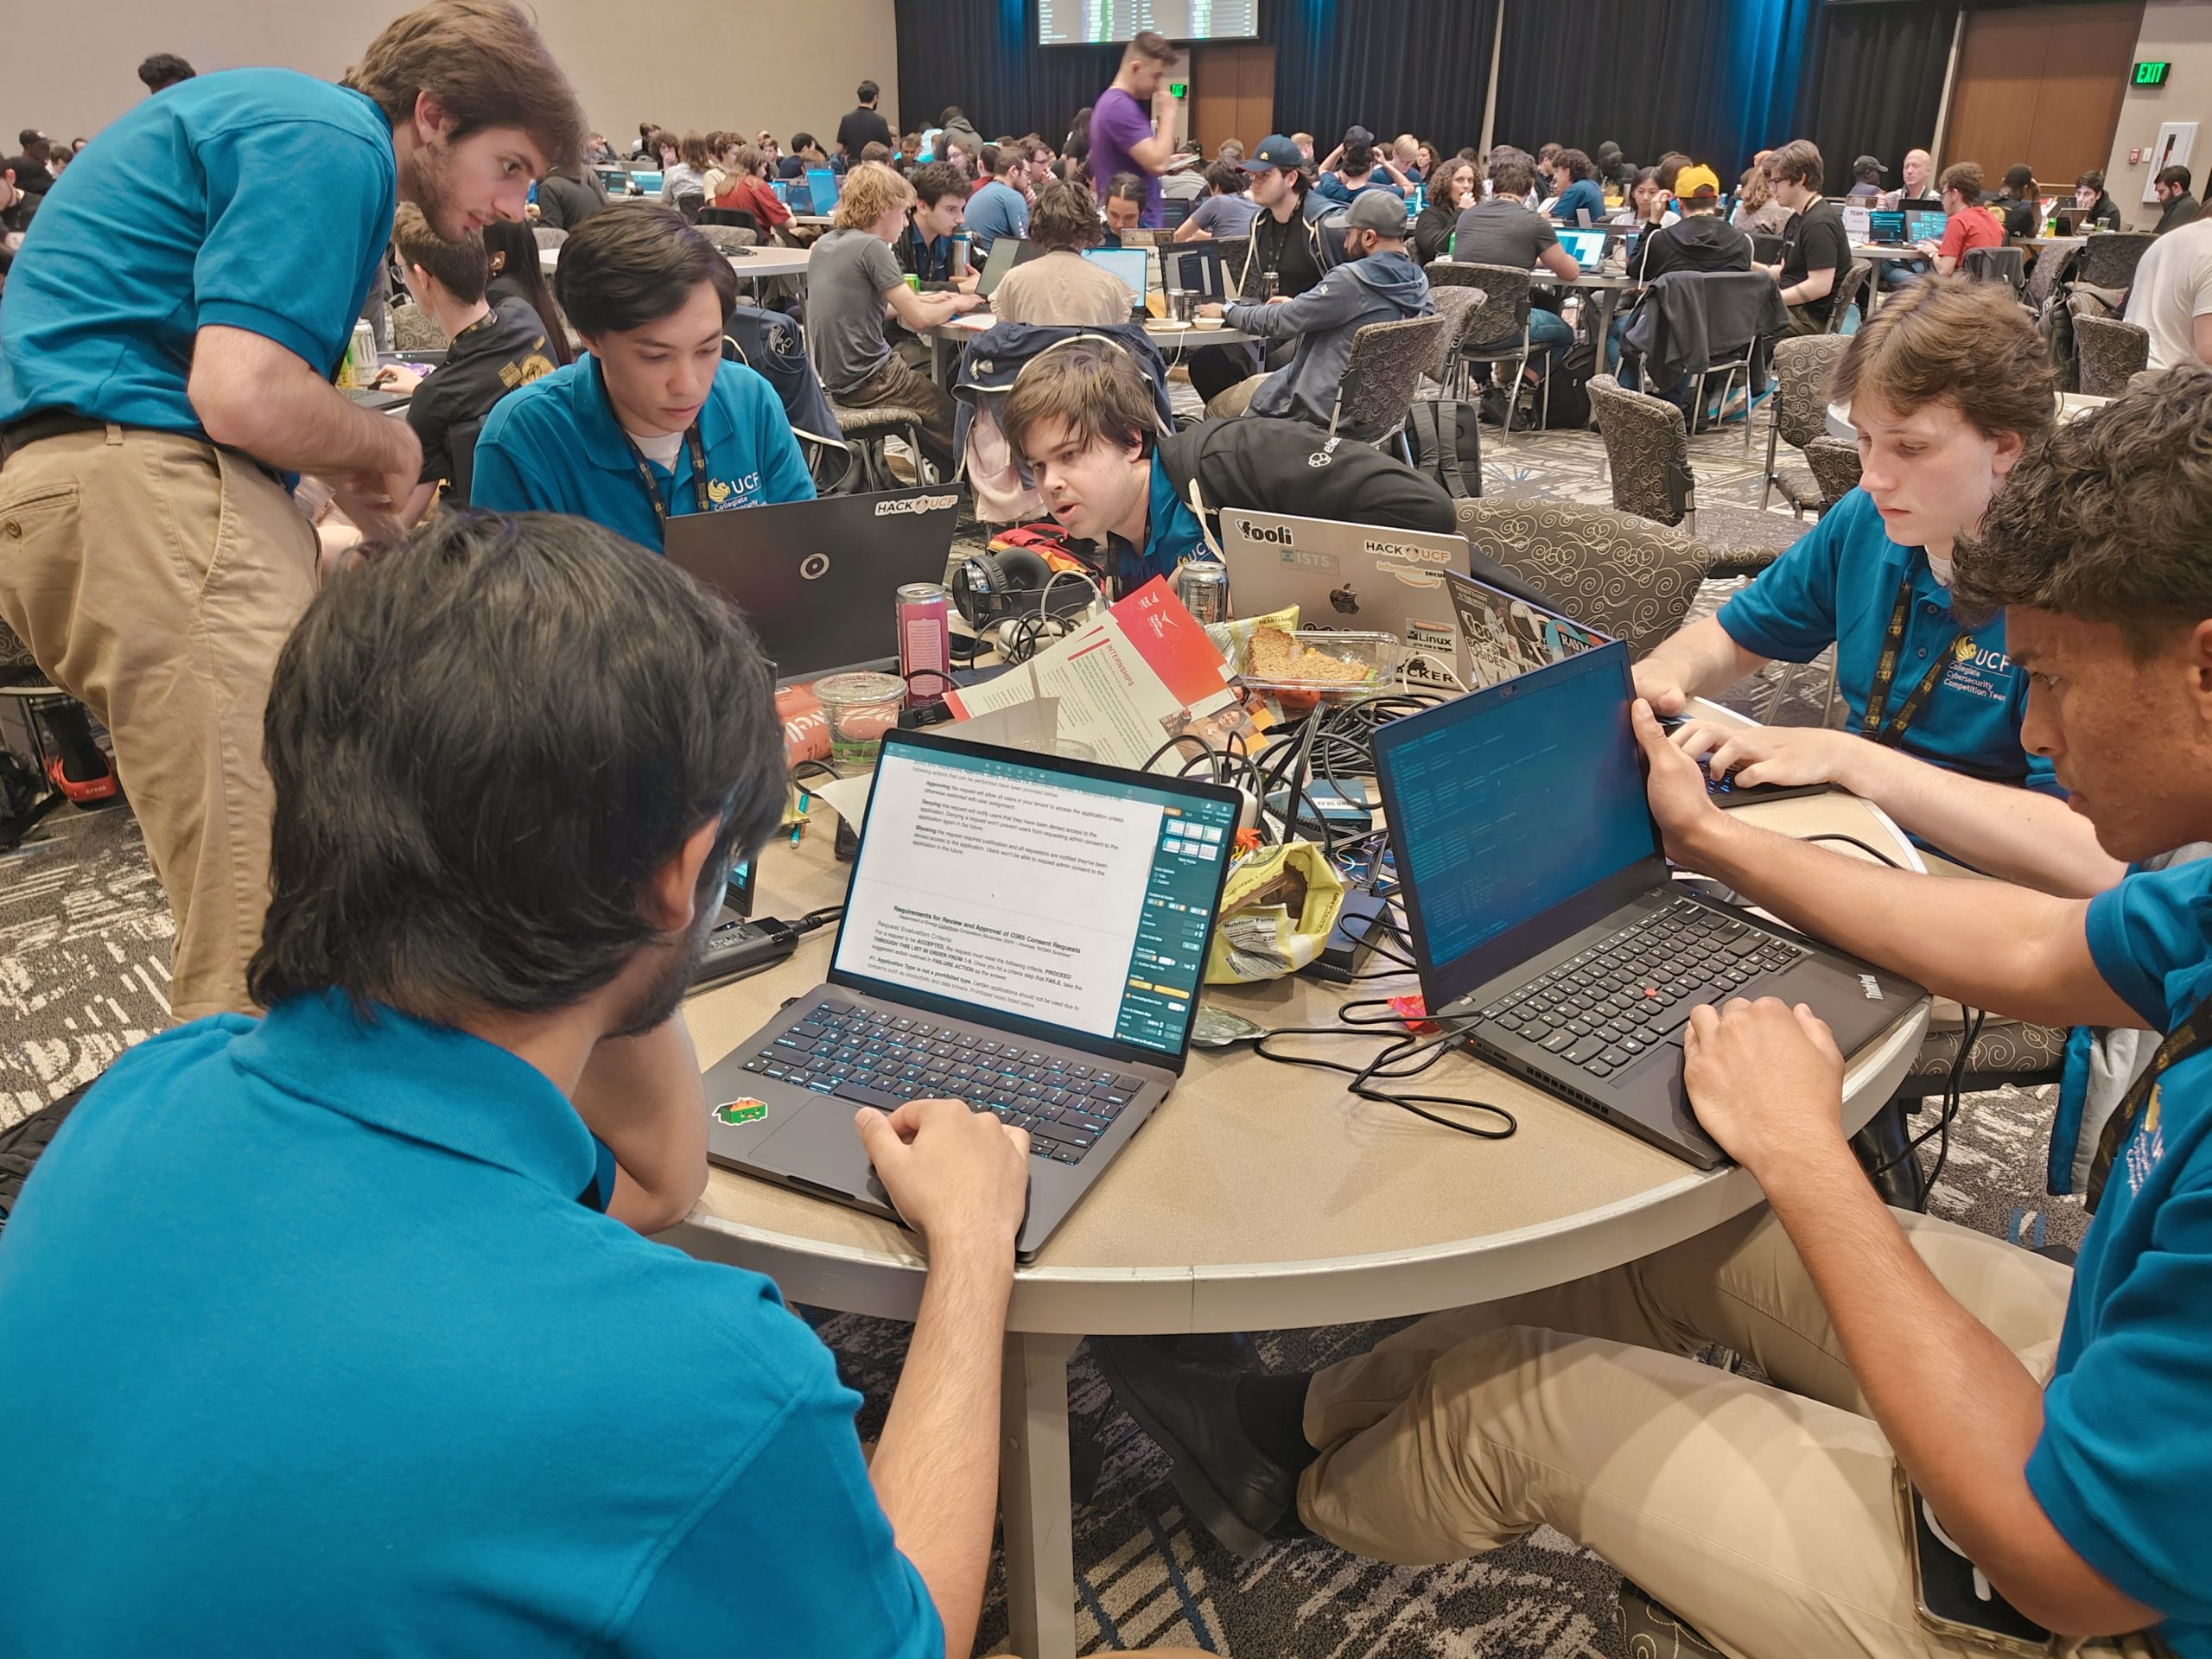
<point x="1233" y="93"/>
<point x="2042" y="85"/>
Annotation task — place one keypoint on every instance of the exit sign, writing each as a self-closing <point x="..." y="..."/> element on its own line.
<point x="2152" y="74"/>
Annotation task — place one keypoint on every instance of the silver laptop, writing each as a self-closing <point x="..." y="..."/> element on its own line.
<point x="1024" y="932"/>
<point x="1344" y="575"/>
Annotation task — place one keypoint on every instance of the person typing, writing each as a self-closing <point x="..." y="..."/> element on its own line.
<point x="650" y="423"/>
<point x="1948" y="386"/>
<point x="2045" y="1417"/>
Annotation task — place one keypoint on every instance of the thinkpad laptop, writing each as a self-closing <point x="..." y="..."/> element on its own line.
<point x="1542" y="911"/>
<point x="1340" y="575"/>
<point x="1024" y="932"/>
<point x="817" y="579"/>
<point x="1502" y="635"/>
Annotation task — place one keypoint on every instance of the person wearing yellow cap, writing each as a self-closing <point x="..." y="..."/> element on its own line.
<point x="1699" y="240"/>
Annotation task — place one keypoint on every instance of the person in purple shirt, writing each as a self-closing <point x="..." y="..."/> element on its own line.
<point x="1124" y="138"/>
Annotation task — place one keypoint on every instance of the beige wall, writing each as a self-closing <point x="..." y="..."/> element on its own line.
<point x="689" y="63"/>
<point x="2179" y="31"/>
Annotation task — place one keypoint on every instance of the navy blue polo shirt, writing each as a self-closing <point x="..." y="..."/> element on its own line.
<point x="2123" y="1462"/>
<point x="314" y="1349"/>
<point x="1838" y="584"/>
<point x="253" y="199"/>
<point x="554" y="446"/>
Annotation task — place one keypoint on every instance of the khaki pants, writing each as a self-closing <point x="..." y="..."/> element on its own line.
<point x="1764" y="1514"/>
<point x="156" y="578"/>
<point x="1228" y="405"/>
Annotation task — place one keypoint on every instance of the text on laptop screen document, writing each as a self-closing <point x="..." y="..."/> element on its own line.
<point x="1078" y="902"/>
<point x="1514" y="800"/>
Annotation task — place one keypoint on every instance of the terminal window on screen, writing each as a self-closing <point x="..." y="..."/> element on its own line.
<point x="1081" y="903"/>
<point x="1508" y="810"/>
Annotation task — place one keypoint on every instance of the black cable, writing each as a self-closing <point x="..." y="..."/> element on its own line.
<point x="819" y="919"/>
<point x="1874" y="853"/>
<point x="801" y="772"/>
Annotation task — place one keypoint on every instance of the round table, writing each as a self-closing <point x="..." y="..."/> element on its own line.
<point x="1258" y="1196"/>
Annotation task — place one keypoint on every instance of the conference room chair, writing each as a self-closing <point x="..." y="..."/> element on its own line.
<point x="2108" y="259"/>
<point x="1722" y="315"/>
<point x="2007" y="265"/>
<point x="547" y="235"/>
<point x="774" y="346"/>
<point x="1648" y="452"/>
<point x="1502" y="323"/>
<point x="1609" y="570"/>
<point x="1851" y="290"/>
<point x="1798" y="415"/>
<point x="1375" y="391"/>
<point x="691" y="204"/>
<point x="1766" y="249"/>
<point x="736" y="217"/>
<point x="414" y="329"/>
<point x="727" y="237"/>
<point x="2110" y="352"/>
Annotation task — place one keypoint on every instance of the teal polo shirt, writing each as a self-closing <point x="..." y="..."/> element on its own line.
<point x="1838" y="584"/>
<point x="554" y="446"/>
<point x="2123" y="1462"/>
<point x="313" y="1350"/>
<point x="1171" y="534"/>
<point x="253" y="199"/>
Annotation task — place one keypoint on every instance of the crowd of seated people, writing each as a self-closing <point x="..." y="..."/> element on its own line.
<point x="444" y="824"/>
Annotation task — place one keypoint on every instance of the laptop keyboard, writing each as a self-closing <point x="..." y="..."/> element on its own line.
<point x="876" y="1057"/>
<point x="1601" y="1010"/>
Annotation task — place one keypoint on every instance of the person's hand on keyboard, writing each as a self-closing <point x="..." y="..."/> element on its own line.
<point x="1785" y="755"/>
<point x="958" y="1178"/>
<point x="1680" y="800"/>
<point x="1764" y="1079"/>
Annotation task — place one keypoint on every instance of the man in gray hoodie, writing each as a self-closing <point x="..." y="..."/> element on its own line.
<point x="1377" y="282"/>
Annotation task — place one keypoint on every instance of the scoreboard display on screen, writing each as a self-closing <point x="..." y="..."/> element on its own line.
<point x="1077" y="23"/>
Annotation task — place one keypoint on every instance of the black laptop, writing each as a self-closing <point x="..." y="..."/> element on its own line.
<point x="1542" y="910"/>
<point x="1026" y="933"/>
<point x="817" y="579"/>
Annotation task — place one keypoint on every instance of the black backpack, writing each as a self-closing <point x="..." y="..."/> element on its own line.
<point x="20" y="1143"/>
<point x="1447" y="436"/>
<point x="22" y="799"/>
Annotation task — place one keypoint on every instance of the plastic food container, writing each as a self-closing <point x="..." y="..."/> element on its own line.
<point x="1332" y="665"/>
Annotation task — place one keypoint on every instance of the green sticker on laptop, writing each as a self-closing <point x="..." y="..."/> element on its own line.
<point x="743" y="1111"/>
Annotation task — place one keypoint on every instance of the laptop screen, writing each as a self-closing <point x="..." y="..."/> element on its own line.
<point x="822" y="186"/>
<point x="1195" y="271"/>
<point x="783" y="190"/>
<point x="1923" y="226"/>
<point x="1066" y="900"/>
<point x="1129" y="264"/>
<point x="1588" y="247"/>
<point x="1886" y="225"/>
<point x="1505" y="804"/>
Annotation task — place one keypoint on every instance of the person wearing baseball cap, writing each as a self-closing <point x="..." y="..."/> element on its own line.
<point x="1699" y="240"/>
<point x="1866" y="178"/>
<point x="1378" y="282"/>
<point x="1288" y="255"/>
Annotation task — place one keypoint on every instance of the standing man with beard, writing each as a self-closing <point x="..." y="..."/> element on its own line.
<point x="165" y="376"/>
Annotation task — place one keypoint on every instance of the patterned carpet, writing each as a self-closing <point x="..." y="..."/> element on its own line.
<point x="84" y="946"/>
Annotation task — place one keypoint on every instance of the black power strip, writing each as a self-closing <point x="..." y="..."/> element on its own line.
<point x="735" y="948"/>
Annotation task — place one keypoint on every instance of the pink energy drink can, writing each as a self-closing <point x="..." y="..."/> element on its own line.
<point x="924" y="613"/>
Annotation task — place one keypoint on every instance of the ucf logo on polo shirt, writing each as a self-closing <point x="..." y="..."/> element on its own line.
<point x="722" y="494"/>
<point x="1978" y="670"/>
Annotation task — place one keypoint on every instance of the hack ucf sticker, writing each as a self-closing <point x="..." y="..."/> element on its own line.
<point x="743" y="1111"/>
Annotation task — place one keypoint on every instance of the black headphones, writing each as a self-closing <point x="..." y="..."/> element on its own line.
<point x="999" y="583"/>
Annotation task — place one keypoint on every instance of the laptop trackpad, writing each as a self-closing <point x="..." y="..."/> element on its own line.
<point x="820" y="1146"/>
